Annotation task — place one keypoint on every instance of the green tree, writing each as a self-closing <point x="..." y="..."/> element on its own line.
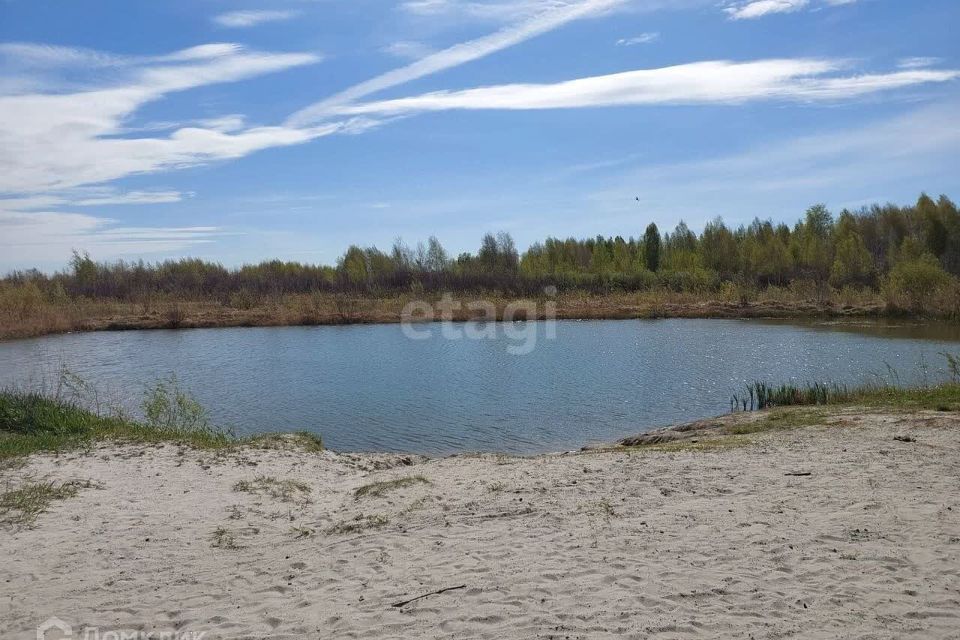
<point x="84" y="271"/>
<point x="811" y="244"/>
<point x="353" y="265"/>
<point x="651" y="247"/>
<point x="437" y="259"/>
<point x="852" y="263"/>
<point x="719" y="249"/>
<point x="932" y="223"/>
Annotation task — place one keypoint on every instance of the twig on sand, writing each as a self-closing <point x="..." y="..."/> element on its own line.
<point x="799" y="474"/>
<point x="432" y="593"/>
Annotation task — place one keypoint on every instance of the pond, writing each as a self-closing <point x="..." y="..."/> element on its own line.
<point x="519" y="387"/>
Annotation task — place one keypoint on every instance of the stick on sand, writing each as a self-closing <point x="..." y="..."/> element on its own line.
<point x="432" y="593"/>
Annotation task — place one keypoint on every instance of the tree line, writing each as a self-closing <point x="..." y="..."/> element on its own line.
<point x="915" y="248"/>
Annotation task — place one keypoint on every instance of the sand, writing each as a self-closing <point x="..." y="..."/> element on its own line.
<point x="686" y="543"/>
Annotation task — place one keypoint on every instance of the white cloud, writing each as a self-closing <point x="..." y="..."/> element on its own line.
<point x="408" y="49"/>
<point x="33" y="55"/>
<point x="917" y="62"/>
<point x="48" y="237"/>
<point x="760" y="8"/>
<point x="53" y="141"/>
<point x="91" y="197"/>
<point x="712" y="82"/>
<point x="643" y="38"/>
<point x="752" y="9"/>
<point x="242" y="19"/>
<point x="498" y="11"/>
<point x="561" y="13"/>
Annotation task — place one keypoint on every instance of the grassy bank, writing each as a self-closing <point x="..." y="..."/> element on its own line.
<point x="34" y="423"/>
<point x="792" y="407"/>
<point x="759" y="396"/>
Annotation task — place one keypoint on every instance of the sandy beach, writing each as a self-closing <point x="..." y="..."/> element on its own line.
<point x="827" y="531"/>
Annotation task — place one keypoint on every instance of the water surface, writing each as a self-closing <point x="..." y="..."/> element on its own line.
<point x="371" y="388"/>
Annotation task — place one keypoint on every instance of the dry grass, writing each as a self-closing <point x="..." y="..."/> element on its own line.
<point x="224" y="539"/>
<point x="379" y="489"/>
<point x="358" y="524"/>
<point x="20" y="507"/>
<point x="282" y="490"/>
<point x="25" y="314"/>
<point x="705" y="445"/>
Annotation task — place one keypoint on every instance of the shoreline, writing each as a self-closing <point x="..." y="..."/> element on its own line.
<point x="207" y="315"/>
<point x="729" y="526"/>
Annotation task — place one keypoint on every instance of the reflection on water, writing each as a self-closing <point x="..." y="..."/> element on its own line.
<point x="372" y="388"/>
<point x="908" y="329"/>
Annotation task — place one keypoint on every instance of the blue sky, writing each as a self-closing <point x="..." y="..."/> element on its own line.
<point x="242" y="131"/>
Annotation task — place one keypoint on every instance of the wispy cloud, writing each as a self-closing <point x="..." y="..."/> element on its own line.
<point x="760" y="8"/>
<point x="643" y="38"/>
<point x="59" y="146"/>
<point x="57" y="140"/>
<point x="918" y="62"/>
<point x="753" y="9"/>
<point x="408" y="49"/>
<point x="46" y="237"/>
<point x="32" y="55"/>
<point x="91" y="197"/>
<point x="242" y="19"/>
<point x="29" y="54"/>
<point x="713" y="82"/>
<point x="560" y="14"/>
<point x="496" y="10"/>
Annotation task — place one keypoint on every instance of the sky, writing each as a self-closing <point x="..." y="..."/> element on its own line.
<point x="240" y="131"/>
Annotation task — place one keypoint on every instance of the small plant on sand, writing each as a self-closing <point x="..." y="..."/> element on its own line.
<point x="598" y="508"/>
<point x="302" y="532"/>
<point x="378" y="489"/>
<point x="20" y="507"/>
<point x="224" y="539"/>
<point x="282" y="490"/>
<point x="359" y="523"/>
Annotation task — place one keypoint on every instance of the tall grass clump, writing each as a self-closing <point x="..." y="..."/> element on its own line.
<point x="71" y="414"/>
<point x="761" y="395"/>
<point x="62" y="419"/>
<point x="886" y="391"/>
<point x="167" y="408"/>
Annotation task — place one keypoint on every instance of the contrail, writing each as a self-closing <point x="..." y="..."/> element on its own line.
<point x="457" y="55"/>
